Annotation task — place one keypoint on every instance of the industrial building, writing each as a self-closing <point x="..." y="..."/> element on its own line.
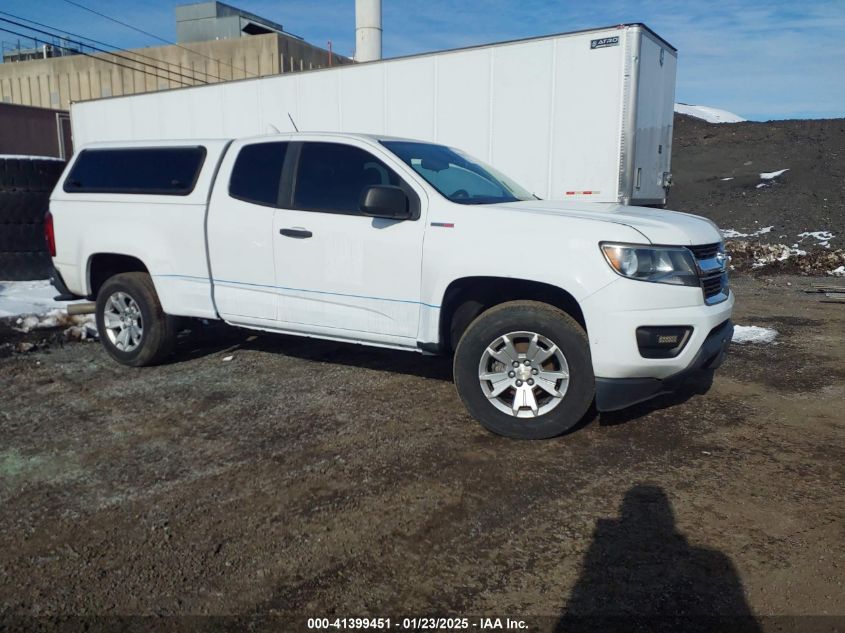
<point x="206" y="21"/>
<point x="215" y="42"/>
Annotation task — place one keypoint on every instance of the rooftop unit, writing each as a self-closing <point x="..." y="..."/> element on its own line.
<point x="42" y="51"/>
<point x="205" y="21"/>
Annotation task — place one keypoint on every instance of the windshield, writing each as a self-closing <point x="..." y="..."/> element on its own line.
<point x="457" y="176"/>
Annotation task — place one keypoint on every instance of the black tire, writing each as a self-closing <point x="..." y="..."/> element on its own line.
<point x="549" y="322"/>
<point x="159" y="330"/>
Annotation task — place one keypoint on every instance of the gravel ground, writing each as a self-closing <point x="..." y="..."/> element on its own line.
<point x="310" y="478"/>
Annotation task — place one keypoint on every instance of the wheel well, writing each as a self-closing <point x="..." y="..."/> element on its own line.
<point x="466" y="298"/>
<point x="105" y="265"/>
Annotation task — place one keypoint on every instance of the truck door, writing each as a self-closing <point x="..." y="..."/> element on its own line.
<point x="240" y="233"/>
<point x="340" y="273"/>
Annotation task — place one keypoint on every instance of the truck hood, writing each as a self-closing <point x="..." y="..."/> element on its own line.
<point x="656" y="225"/>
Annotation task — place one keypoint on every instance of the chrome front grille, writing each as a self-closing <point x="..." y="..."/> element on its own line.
<point x="712" y="286"/>
<point x="712" y="266"/>
<point x="705" y="251"/>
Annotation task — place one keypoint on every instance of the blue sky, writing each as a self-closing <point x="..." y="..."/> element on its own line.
<point x="762" y="60"/>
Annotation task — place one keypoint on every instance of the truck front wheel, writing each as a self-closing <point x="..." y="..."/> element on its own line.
<point x="523" y="370"/>
<point x="133" y="328"/>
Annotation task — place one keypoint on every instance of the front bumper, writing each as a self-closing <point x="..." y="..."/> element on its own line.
<point x="614" y="313"/>
<point x="613" y="394"/>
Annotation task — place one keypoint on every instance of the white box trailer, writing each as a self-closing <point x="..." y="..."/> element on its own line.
<point x="584" y="115"/>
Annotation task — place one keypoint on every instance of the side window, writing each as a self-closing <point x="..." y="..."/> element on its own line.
<point x="167" y="171"/>
<point x="257" y="173"/>
<point x="331" y="177"/>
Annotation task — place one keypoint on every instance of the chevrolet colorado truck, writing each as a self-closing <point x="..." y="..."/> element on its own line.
<point x="546" y="306"/>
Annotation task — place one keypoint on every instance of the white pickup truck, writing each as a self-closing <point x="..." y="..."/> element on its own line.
<point x="390" y="242"/>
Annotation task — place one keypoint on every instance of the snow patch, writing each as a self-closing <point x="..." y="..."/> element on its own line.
<point x="729" y="178"/>
<point x="822" y="237"/>
<point x="711" y="115"/>
<point x="731" y="233"/>
<point x="32" y="303"/>
<point x="31" y="322"/>
<point x="778" y="253"/>
<point x="753" y="334"/>
<point x="837" y="272"/>
<point x="28" y="297"/>
<point x="770" y="175"/>
<point x="80" y="326"/>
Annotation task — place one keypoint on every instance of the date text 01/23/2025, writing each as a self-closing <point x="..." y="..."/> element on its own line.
<point x="417" y="624"/>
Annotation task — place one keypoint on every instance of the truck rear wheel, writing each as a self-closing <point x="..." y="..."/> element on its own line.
<point x="523" y="370"/>
<point x="133" y="328"/>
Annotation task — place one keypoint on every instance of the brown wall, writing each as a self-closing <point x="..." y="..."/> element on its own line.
<point x="56" y="82"/>
<point x="33" y="131"/>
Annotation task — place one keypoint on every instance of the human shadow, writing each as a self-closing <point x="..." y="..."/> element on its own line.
<point x="641" y="573"/>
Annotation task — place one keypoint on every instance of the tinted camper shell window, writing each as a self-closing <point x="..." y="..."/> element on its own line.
<point x="164" y="171"/>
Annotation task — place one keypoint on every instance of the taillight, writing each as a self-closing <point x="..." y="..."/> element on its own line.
<point x="49" y="233"/>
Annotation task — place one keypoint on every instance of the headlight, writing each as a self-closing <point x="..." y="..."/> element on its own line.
<point x="659" y="264"/>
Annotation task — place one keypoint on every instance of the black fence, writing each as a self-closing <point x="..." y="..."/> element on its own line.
<point x="25" y="186"/>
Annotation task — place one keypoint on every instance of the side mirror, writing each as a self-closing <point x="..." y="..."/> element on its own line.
<point x="385" y="201"/>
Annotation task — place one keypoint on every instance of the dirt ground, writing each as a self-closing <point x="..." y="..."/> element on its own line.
<point x="311" y="478"/>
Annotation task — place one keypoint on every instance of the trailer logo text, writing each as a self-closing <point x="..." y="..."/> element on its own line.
<point x="605" y="42"/>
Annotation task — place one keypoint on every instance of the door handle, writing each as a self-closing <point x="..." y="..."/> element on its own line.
<point x="300" y="234"/>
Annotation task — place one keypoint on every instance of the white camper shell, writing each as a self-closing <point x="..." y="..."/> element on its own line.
<point x="575" y="116"/>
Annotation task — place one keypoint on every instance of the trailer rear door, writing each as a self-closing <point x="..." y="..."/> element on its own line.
<point x="654" y="114"/>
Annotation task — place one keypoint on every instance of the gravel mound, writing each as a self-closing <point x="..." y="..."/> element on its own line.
<point x="767" y="183"/>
